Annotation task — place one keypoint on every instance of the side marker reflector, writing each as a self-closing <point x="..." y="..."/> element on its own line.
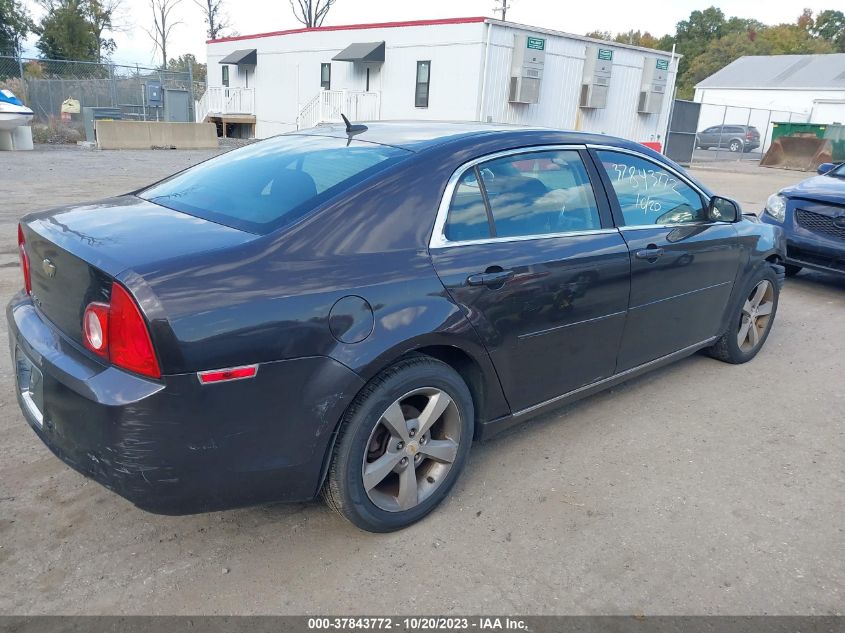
<point x="226" y="375"/>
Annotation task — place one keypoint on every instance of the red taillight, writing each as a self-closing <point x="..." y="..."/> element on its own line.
<point x="749" y="136"/>
<point x="27" y="280"/>
<point x="117" y="331"/>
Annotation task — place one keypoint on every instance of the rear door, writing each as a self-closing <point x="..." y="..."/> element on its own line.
<point x="527" y="248"/>
<point x="683" y="264"/>
<point x="731" y="133"/>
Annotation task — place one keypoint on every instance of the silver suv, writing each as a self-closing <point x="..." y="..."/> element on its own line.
<point x="736" y="138"/>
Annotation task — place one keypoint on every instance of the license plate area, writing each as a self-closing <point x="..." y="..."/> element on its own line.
<point x="31" y="386"/>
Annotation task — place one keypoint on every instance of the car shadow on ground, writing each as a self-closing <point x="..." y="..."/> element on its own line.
<point x="818" y="280"/>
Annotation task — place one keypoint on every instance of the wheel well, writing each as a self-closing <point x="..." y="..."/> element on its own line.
<point x="467" y="368"/>
<point x="457" y="359"/>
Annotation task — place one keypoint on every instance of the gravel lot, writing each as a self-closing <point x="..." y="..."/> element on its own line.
<point x="701" y="488"/>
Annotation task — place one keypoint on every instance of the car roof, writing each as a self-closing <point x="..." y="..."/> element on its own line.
<point x="454" y="136"/>
<point x="418" y="136"/>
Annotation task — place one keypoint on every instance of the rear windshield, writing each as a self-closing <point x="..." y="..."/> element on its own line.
<point x="272" y="184"/>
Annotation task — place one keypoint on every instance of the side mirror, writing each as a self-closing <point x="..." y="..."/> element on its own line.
<point x="824" y="168"/>
<point x="724" y="210"/>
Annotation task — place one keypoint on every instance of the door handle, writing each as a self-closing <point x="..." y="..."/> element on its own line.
<point x="496" y="278"/>
<point x="652" y="252"/>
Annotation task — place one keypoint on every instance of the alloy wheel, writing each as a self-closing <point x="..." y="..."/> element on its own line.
<point x="411" y="449"/>
<point x="756" y="313"/>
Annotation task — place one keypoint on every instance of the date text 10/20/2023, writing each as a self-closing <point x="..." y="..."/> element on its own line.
<point x="481" y="623"/>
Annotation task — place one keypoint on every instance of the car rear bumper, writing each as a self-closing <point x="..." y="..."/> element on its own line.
<point x="174" y="446"/>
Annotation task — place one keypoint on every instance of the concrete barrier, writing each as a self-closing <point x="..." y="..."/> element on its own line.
<point x="149" y="134"/>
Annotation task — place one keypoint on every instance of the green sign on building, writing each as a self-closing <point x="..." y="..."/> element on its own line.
<point x="606" y="54"/>
<point x="662" y="64"/>
<point x="537" y="43"/>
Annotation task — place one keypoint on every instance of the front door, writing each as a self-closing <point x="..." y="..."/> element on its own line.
<point x="528" y="252"/>
<point x="683" y="263"/>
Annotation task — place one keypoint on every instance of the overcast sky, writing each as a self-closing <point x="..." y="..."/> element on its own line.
<point x="256" y="16"/>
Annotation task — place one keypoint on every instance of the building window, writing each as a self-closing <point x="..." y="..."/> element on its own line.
<point x="226" y="76"/>
<point x="423" y="83"/>
<point x="326" y="76"/>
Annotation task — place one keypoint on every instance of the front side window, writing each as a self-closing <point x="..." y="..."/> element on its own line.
<point x="272" y="184"/>
<point x="423" y="84"/>
<point x="226" y="76"/>
<point x="649" y="194"/>
<point x="326" y="76"/>
<point x="524" y="195"/>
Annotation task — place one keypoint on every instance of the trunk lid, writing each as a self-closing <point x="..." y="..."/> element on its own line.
<point x="75" y="252"/>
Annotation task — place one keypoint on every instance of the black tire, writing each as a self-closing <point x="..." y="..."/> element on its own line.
<point x="736" y="146"/>
<point x="727" y="348"/>
<point x="344" y="489"/>
<point x="792" y="270"/>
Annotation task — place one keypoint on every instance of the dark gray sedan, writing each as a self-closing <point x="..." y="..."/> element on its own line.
<point x="344" y="310"/>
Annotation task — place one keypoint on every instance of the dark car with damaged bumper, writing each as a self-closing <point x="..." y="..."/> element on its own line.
<point x="812" y="214"/>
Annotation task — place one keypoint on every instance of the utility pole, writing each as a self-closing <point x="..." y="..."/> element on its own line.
<point x="501" y="7"/>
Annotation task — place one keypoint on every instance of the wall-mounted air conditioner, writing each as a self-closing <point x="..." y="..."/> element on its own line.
<point x="598" y="69"/>
<point x="529" y="58"/>
<point x="653" y="90"/>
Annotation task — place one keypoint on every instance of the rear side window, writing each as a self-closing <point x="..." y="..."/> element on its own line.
<point x="540" y="193"/>
<point x="523" y="195"/>
<point x="271" y="184"/>
<point x="467" y="218"/>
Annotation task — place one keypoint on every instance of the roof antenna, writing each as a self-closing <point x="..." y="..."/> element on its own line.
<point x="352" y="129"/>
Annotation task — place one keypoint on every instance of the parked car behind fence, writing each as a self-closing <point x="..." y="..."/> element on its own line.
<point x="736" y="138"/>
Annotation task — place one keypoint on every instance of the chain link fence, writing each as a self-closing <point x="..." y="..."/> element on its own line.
<point x="732" y="133"/>
<point x="45" y="84"/>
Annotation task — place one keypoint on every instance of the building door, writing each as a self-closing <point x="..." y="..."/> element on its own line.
<point x="372" y="78"/>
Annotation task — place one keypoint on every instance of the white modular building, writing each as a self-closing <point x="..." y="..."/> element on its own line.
<point x="763" y="90"/>
<point x="475" y="69"/>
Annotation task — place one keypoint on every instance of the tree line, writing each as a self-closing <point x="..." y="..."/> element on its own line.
<point x="82" y="30"/>
<point x="709" y="41"/>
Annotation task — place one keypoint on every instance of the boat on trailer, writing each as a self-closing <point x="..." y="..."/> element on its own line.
<point x="13" y="113"/>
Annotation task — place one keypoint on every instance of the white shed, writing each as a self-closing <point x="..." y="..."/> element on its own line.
<point x="476" y="68"/>
<point x="800" y="88"/>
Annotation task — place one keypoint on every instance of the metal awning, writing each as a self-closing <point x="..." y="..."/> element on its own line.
<point x="361" y="52"/>
<point x="246" y="57"/>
